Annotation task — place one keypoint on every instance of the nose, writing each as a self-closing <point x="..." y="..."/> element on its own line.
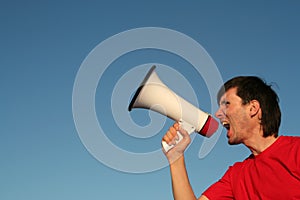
<point x="220" y="113"/>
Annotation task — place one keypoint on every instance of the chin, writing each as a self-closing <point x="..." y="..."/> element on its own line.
<point x="232" y="141"/>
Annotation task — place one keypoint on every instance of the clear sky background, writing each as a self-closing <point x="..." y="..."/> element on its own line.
<point x="43" y="45"/>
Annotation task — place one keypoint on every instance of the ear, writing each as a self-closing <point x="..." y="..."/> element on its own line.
<point x="254" y="107"/>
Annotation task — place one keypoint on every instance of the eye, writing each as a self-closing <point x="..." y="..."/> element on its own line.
<point x="225" y="103"/>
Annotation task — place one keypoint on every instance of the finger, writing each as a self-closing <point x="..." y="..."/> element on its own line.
<point x="175" y="134"/>
<point x="170" y="134"/>
<point x="176" y="126"/>
<point x="173" y="131"/>
<point x="166" y="138"/>
<point x="172" y="137"/>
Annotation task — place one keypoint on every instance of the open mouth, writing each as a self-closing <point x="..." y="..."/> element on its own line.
<point x="226" y="125"/>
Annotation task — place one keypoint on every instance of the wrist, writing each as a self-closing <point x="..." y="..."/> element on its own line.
<point x="176" y="160"/>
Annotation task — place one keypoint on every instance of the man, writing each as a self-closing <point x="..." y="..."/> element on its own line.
<point x="250" y="112"/>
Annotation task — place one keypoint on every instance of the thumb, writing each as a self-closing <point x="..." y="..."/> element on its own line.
<point x="185" y="135"/>
<point x="183" y="132"/>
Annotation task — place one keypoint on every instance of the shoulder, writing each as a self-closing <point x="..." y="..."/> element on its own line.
<point x="289" y="147"/>
<point x="290" y="140"/>
<point x="238" y="166"/>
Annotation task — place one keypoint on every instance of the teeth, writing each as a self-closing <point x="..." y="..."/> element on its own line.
<point x="226" y="125"/>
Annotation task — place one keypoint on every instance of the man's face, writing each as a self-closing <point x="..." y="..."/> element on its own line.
<point x="234" y="116"/>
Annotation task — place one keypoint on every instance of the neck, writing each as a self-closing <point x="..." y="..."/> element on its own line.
<point x="260" y="144"/>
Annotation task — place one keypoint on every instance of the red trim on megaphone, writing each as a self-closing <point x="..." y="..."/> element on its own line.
<point x="210" y="127"/>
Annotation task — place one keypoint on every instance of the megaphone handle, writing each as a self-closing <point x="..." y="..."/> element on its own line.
<point x="188" y="127"/>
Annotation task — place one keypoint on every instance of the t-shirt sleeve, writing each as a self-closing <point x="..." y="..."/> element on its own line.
<point x="221" y="189"/>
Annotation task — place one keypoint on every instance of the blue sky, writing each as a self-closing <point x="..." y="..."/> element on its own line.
<point x="43" y="46"/>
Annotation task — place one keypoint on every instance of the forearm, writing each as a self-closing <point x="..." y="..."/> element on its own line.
<point x="181" y="186"/>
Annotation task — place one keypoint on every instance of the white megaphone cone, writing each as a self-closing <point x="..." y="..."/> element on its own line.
<point x="153" y="94"/>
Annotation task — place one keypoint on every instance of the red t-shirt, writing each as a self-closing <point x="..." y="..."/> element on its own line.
<point x="273" y="174"/>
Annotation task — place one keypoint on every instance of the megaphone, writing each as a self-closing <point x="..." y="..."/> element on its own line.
<point x="153" y="94"/>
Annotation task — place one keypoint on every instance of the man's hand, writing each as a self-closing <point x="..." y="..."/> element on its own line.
<point x="170" y="138"/>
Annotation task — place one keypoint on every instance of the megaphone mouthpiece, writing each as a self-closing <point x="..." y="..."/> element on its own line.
<point x="210" y="127"/>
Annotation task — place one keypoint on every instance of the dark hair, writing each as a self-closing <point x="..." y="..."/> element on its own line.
<point x="254" y="88"/>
